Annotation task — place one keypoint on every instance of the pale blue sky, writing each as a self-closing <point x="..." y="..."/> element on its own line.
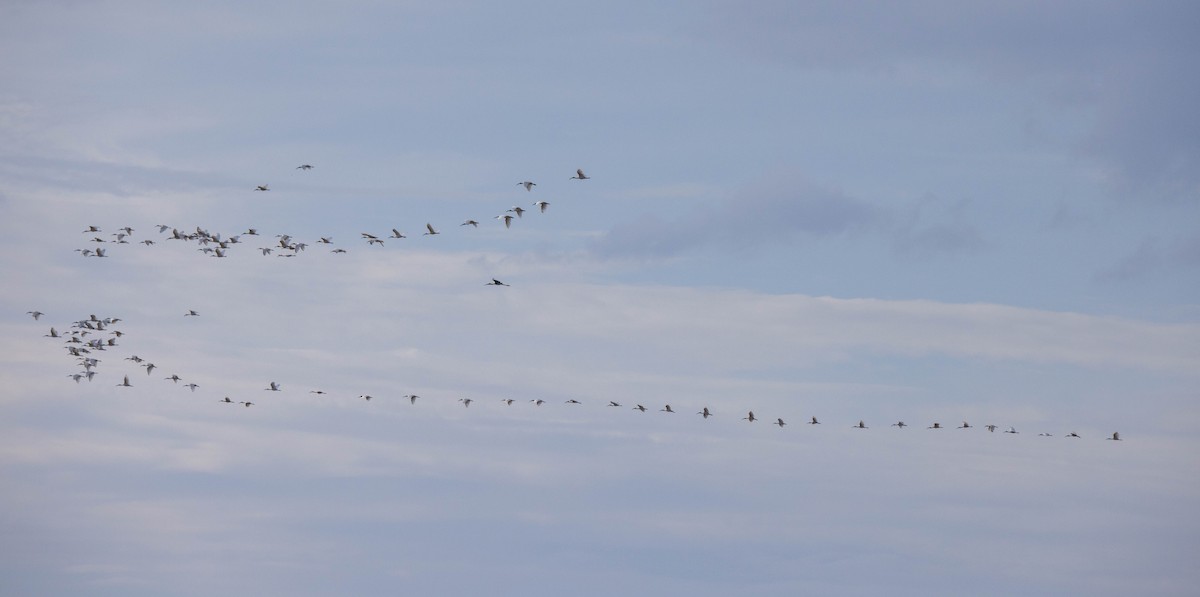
<point x="923" y="211"/>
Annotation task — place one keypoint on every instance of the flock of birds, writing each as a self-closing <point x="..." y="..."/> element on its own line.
<point x="88" y="338"/>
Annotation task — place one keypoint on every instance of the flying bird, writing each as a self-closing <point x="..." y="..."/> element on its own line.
<point x="640" y="407"/>
<point x="262" y="187"/>
<point x="192" y="386"/>
<point x="666" y="409"/>
<point x="466" y="402"/>
<point x="935" y="426"/>
<point x="704" y="413"/>
<point x="612" y="403"/>
<point x="431" y="230"/>
<point x="861" y="425"/>
<point x="1116" y="437"/>
<point x="126" y="382"/>
<point x="527" y="184"/>
<point x="470" y="223"/>
<point x="495" y="282"/>
<point x="274" y="387"/>
<point x="579" y="175"/>
<point x="304" y="167"/>
<point x="517" y="210"/>
<point x="573" y="401"/>
<point x="507" y="220"/>
<point x="750" y="417"/>
<point x="1072" y="434"/>
<point x="542" y="205"/>
<point x="35" y="314"/>
<point x="780" y="422"/>
<point x="965" y="425"/>
<point x="226" y="400"/>
<point x="191" y="313"/>
<point x="814" y="421"/>
<point x="990" y="428"/>
<point x="900" y="424"/>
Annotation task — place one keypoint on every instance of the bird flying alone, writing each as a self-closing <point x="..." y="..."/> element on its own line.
<point x="495" y="282"/>
<point x="262" y="187"/>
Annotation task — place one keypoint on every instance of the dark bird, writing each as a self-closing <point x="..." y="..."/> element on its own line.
<point x="496" y="282"/>
<point x="640" y="407"/>
<point x="861" y="425"/>
<point x="704" y="413"/>
<point x="666" y="409"/>
<point x="191" y="313"/>
<point x="226" y="400"/>
<point x="611" y="403"/>
<point x="466" y="402"/>
<point x="780" y="422"/>
<point x="126" y="382"/>
<point x="304" y="167"/>
<point x="579" y="175"/>
<point x="573" y="401"/>
<point x="1115" y="437"/>
<point x="1072" y="434"/>
<point x="750" y="417"/>
<point x="935" y="426"/>
<point x="246" y="404"/>
<point x="274" y="387"/>
<point x="429" y="227"/>
<point x="990" y="428"/>
<point x="814" y="421"/>
<point x="262" y="187"/>
<point x="900" y="424"/>
<point x="965" y="425"/>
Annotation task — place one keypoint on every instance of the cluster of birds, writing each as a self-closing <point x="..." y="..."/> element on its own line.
<point x="93" y="335"/>
<point x="89" y="337"/>
<point x="216" y="244"/>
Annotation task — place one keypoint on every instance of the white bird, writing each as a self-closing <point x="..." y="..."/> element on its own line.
<point x="366" y="397"/>
<point x="527" y="184"/>
<point x="35" y="314"/>
<point x="990" y="428"/>
<point x="246" y="404"/>
<point x="398" y="234"/>
<point x="126" y="382"/>
<point x="1011" y="430"/>
<point x="507" y="220"/>
<point x="174" y="377"/>
<point x="192" y="386"/>
<point x="517" y="210"/>
<point x="542" y="205"/>
<point x="1072" y="434"/>
<point x="579" y="175"/>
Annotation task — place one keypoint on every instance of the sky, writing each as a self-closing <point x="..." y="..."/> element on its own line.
<point x="929" y="212"/>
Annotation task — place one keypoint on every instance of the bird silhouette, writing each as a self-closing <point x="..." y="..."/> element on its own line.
<point x="579" y="175"/>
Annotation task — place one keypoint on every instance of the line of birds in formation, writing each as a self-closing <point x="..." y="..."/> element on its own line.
<point x="82" y="349"/>
<point x="215" y="245"/>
